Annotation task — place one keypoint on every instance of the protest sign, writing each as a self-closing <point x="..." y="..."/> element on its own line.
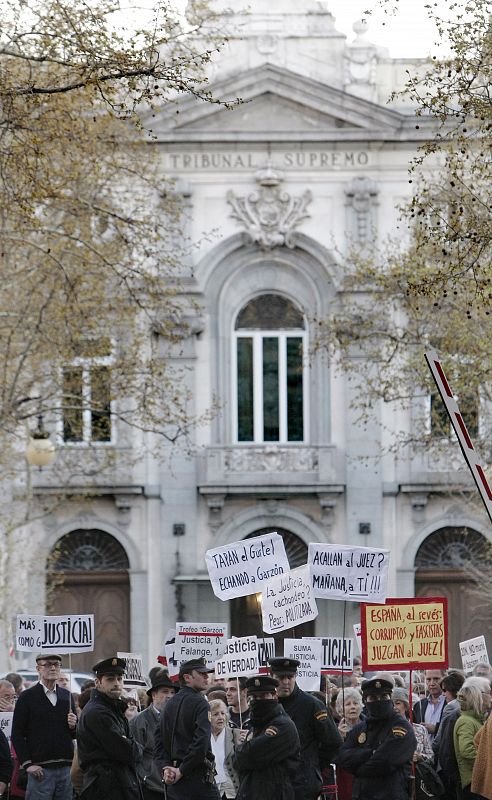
<point x="67" y="634"/>
<point x="405" y="634"/>
<point x="343" y="572"/>
<point x="458" y="423"/>
<point x="241" y="568"/>
<point x="266" y="650"/>
<point x="197" y="639"/>
<point x="240" y="658"/>
<point x="308" y="653"/>
<point x="170" y="639"/>
<point x="6" y="723"/>
<point x="473" y="652"/>
<point x="358" y="634"/>
<point x="288" y="600"/>
<point x="336" y="654"/>
<point x="134" y="669"/>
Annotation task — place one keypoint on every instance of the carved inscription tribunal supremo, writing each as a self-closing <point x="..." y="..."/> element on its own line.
<point x="302" y="159"/>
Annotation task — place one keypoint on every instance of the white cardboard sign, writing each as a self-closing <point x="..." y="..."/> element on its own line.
<point x="460" y="429"/>
<point x="308" y="653"/>
<point x="6" y="718"/>
<point x="197" y="639"/>
<point x="241" y="568"/>
<point x="240" y="658"/>
<point x="73" y="633"/>
<point x="288" y="600"/>
<point x="473" y="652"/>
<point x="266" y="650"/>
<point x="358" y="637"/>
<point x="336" y="654"/>
<point x="134" y="669"/>
<point x="343" y="572"/>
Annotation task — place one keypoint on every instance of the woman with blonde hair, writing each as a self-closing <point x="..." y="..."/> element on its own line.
<point x="475" y="700"/>
<point x="223" y="749"/>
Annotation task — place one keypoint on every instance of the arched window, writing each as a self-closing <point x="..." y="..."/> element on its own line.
<point x="270" y="375"/>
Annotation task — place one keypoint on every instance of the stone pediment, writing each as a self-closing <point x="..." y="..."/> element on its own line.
<point x="277" y="101"/>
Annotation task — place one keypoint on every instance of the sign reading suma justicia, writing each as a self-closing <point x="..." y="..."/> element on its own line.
<point x="290" y="159"/>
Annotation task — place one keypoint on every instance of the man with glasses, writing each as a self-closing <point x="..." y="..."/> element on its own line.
<point x="43" y="730"/>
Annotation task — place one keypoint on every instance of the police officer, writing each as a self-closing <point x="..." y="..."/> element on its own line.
<point x="182" y="741"/>
<point x="379" y="749"/>
<point x="269" y="757"/>
<point x="107" y="754"/>
<point x="319" y="737"/>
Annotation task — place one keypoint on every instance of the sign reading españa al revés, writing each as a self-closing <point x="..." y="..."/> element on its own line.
<point x="405" y="634"/>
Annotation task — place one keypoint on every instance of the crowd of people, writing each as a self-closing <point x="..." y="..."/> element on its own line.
<point x="362" y="737"/>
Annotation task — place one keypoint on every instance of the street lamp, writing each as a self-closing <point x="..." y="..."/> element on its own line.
<point x="40" y="451"/>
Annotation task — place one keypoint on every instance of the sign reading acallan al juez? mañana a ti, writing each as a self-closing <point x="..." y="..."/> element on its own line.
<point x="405" y="633"/>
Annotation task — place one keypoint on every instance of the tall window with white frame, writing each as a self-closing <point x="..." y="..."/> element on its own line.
<point x="86" y="403"/>
<point x="270" y="386"/>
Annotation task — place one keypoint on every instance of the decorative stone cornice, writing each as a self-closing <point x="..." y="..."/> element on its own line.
<point x="270" y="215"/>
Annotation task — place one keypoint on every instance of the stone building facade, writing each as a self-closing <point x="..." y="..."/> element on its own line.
<point x="313" y="159"/>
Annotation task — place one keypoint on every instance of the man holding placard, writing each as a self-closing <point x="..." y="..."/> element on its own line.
<point x="43" y="730"/>
<point x="319" y="737"/>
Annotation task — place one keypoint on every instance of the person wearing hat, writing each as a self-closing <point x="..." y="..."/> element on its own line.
<point x="378" y="750"/>
<point x="424" y="751"/>
<point x="319" y="737"/>
<point x="107" y="753"/>
<point x="268" y="759"/>
<point x="143" y="729"/>
<point x="182" y="750"/>
<point x="43" y="730"/>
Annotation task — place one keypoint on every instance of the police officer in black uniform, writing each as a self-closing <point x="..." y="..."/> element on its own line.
<point x="107" y="754"/>
<point x="268" y="759"/>
<point x="319" y="737"/>
<point x="378" y="750"/>
<point x="182" y="743"/>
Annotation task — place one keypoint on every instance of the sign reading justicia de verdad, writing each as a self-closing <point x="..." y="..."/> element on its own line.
<point x="72" y="633"/>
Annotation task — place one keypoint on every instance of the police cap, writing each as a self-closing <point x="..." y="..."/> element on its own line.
<point x="162" y="680"/>
<point x="379" y="684"/>
<point x="283" y="666"/>
<point x="261" y="683"/>
<point x="110" y="666"/>
<point x="197" y="664"/>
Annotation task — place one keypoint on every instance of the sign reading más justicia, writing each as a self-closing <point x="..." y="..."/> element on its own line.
<point x="291" y="159"/>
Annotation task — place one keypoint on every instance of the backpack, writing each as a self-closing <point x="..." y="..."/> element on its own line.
<point x="427" y="782"/>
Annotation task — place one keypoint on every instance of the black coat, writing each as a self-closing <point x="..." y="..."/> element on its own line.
<point x="268" y="759"/>
<point x="5" y="759"/>
<point x="378" y="753"/>
<point x="183" y="735"/>
<point x="107" y="754"/>
<point x="319" y="737"/>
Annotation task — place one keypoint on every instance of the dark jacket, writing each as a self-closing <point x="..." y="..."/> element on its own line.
<point x="378" y="753"/>
<point x="40" y="732"/>
<point x="143" y="728"/>
<point x="5" y="760"/>
<point x="448" y="766"/>
<point x="183" y="735"/>
<point x="319" y="737"/>
<point x="419" y="709"/>
<point x="269" y="759"/>
<point x="107" y="754"/>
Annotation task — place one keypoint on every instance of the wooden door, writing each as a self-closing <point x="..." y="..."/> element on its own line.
<point x="469" y="615"/>
<point x="107" y="596"/>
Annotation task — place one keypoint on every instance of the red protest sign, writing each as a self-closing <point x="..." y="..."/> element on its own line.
<point x="405" y="633"/>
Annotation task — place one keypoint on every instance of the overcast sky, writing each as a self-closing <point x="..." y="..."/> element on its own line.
<point x="406" y="34"/>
